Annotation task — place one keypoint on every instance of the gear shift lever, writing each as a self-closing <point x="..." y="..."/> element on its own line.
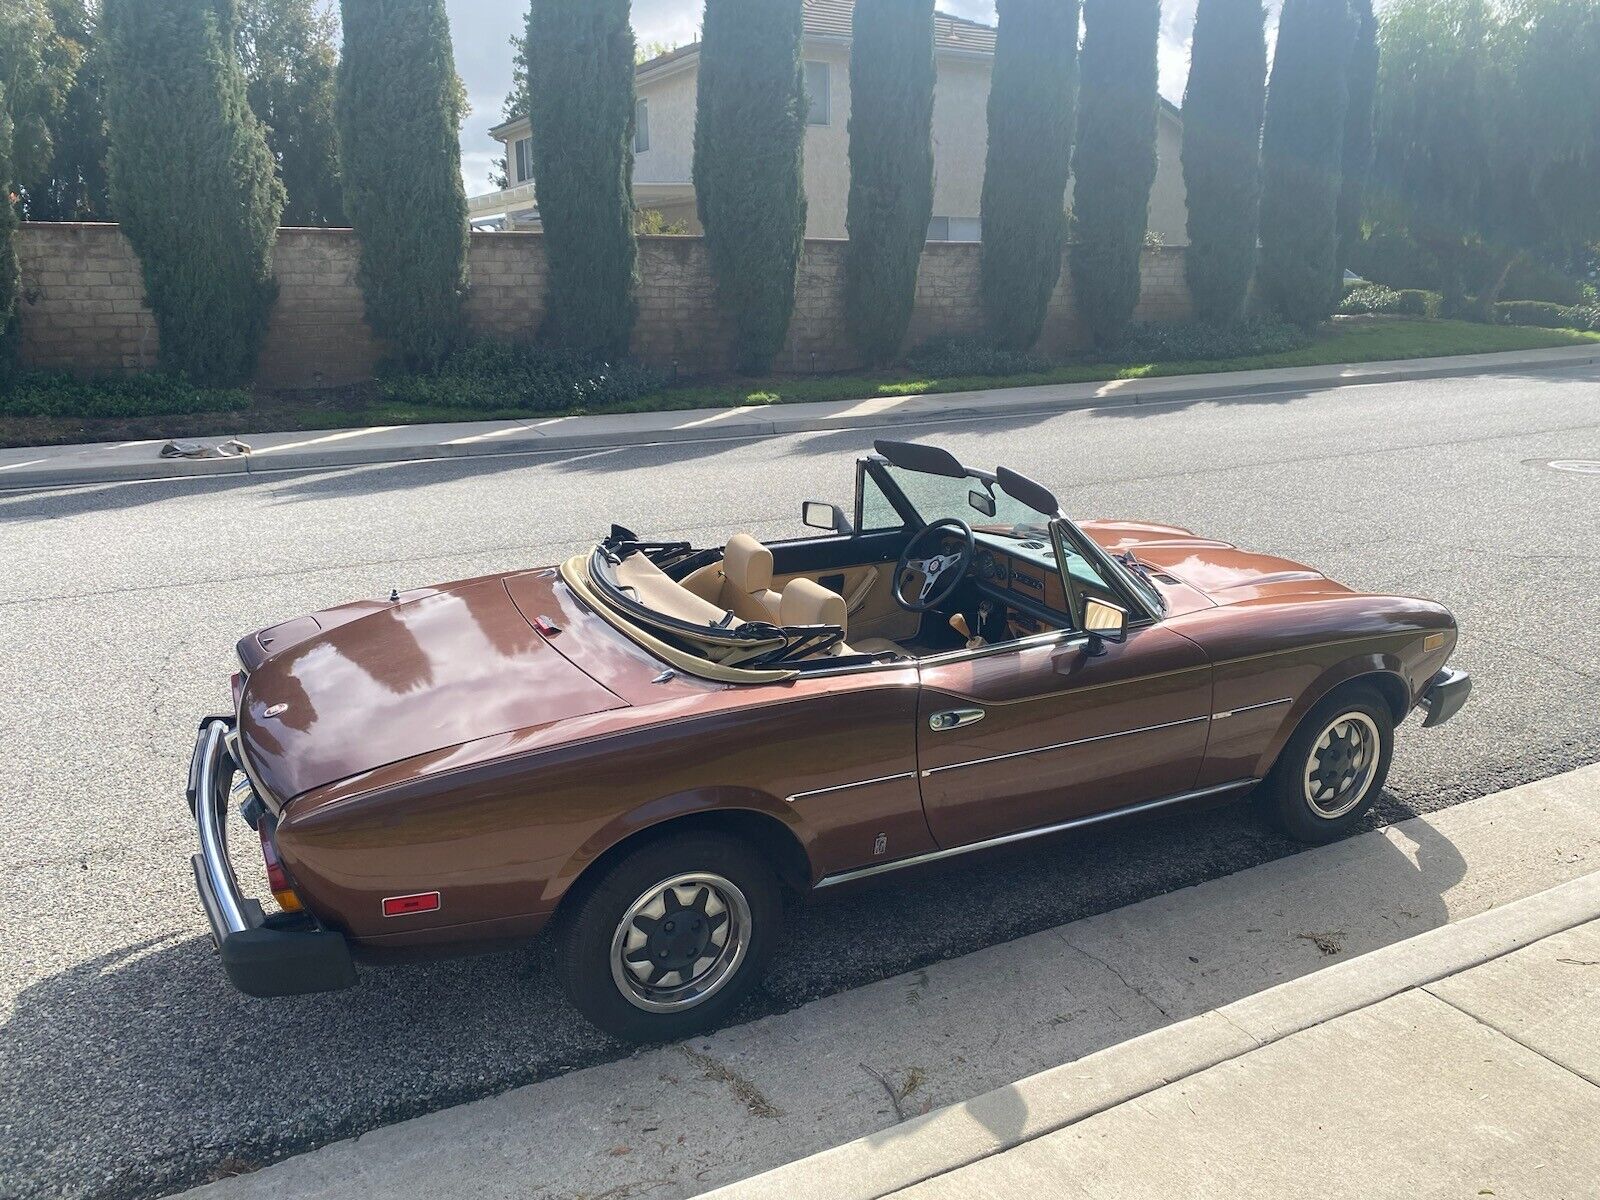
<point x="959" y="624"/>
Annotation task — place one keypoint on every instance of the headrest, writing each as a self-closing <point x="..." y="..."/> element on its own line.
<point x="806" y="602"/>
<point x="747" y="564"/>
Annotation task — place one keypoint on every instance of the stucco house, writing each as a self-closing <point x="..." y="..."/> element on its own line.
<point x="964" y="50"/>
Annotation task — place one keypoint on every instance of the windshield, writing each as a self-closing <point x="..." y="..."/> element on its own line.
<point x="936" y="497"/>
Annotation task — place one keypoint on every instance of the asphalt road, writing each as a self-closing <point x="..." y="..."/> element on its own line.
<point x="129" y="1068"/>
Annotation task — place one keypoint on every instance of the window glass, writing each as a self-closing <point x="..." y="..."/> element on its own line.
<point x="877" y="514"/>
<point x="524" y="165"/>
<point x="641" y="126"/>
<point x="819" y="91"/>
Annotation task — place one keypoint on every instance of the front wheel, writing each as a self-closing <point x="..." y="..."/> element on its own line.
<point x="1332" y="769"/>
<point x="672" y="937"/>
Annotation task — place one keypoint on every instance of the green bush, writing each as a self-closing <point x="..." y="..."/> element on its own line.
<point x="192" y="181"/>
<point x="489" y="376"/>
<point x="1533" y="280"/>
<point x="1363" y="298"/>
<point x="1031" y="117"/>
<point x="399" y="110"/>
<point x="1584" y="316"/>
<point x="891" y="170"/>
<point x="957" y="357"/>
<point x="1115" y="160"/>
<point x="52" y="394"/>
<point x="1534" y="312"/>
<point x="1197" y="341"/>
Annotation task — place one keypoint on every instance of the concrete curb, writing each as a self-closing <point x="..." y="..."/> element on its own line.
<point x="953" y="1137"/>
<point x="68" y="466"/>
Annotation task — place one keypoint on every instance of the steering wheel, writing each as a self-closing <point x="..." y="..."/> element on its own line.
<point x="922" y="581"/>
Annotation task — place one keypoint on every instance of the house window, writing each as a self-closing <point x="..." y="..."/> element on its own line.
<point x="955" y="229"/>
<point x="819" y="91"/>
<point x="641" y="126"/>
<point x="524" y="156"/>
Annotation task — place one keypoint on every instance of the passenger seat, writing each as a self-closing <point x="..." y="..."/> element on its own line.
<point x="747" y="580"/>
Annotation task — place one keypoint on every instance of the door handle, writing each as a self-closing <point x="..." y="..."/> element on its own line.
<point x="954" y="718"/>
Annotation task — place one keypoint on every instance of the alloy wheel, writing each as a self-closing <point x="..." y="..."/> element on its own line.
<point x="1340" y="768"/>
<point x="680" y="942"/>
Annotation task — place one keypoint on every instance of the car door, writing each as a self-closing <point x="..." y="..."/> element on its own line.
<point x="1060" y="727"/>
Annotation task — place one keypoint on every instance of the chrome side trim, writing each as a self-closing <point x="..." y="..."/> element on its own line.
<point x="978" y="762"/>
<point x="839" y="787"/>
<point x="1232" y="712"/>
<point x="1009" y="838"/>
<point x="215" y="872"/>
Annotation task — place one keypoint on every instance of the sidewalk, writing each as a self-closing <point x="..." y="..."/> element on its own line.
<point x="64" y="466"/>
<point x="1132" y="998"/>
<point x="1452" y="1064"/>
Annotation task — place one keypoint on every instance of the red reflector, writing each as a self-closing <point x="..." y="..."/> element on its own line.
<point x="404" y="906"/>
<point x="546" y="626"/>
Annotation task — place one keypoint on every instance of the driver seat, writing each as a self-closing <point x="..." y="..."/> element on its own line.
<point x="806" y="602"/>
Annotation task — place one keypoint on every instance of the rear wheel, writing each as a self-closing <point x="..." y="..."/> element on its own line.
<point x="1332" y="769"/>
<point x="672" y="937"/>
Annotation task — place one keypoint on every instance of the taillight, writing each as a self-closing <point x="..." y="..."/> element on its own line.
<point x="277" y="877"/>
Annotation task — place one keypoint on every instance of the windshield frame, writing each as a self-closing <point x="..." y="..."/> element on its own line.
<point x="1142" y="608"/>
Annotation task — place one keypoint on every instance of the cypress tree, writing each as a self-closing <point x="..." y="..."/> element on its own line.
<point x="399" y="110"/>
<point x="580" y="103"/>
<point x="8" y="227"/>
<point x="1032" y="94"/>
<point x="891" y="169"/>
<point x="1115" y="161"/>
<point x="192" y="182"/>
<point x="1222" y="112"/>
<point x="749" y="138"/>
<point x="1301" y="148"/>
<point x="1356" y="159"/>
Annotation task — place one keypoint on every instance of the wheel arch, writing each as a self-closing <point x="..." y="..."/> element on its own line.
<point x="753" y="817"/>
<point x="1381" y="672"/>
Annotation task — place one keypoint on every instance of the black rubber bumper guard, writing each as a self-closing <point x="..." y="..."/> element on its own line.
<point x="284" y="954"/>
<point x="1445" y="694"/>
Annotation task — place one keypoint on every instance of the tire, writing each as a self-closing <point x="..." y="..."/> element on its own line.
<point x="636" y="969"/>
<point x="1333" y="767"/>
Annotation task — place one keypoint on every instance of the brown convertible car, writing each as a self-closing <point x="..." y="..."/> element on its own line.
<point x="650" y="746"/>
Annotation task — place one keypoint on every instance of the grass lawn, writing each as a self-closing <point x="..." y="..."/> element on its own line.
<point x="1345" y="342"/>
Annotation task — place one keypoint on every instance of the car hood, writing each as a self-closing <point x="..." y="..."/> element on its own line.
<point x="359" y="687"/>
<point x="1220" y="571"/>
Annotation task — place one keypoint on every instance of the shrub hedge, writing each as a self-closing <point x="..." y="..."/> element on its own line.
<point x="1197" y="341"/>
<point x="54" y="394"/>
<point x="1534" y="312"/>
<point x="957" y="357"/>
<point x="1364" y="298"/>
<point x="489" y="376"/>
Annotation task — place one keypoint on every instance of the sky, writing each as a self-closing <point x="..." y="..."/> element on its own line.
<point x="482" y="29"/>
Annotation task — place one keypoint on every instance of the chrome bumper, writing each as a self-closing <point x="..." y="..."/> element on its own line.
<point x="1443" y="697"/>
<point x="278" y="955"/>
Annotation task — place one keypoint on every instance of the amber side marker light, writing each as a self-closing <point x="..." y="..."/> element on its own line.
<point x="405" y="906"/>
<point x="277" y="877"/>
<point x="1432" y="642"/>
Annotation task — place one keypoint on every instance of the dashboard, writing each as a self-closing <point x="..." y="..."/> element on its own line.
<point x="1024" y="573"/>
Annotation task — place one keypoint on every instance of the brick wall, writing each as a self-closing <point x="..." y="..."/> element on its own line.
<point x="83" y="303"/>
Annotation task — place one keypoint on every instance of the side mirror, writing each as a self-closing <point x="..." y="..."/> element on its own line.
<point x="1104" y="622"/>
<point x="819" y="514"/>
<point x="982" y="501"/>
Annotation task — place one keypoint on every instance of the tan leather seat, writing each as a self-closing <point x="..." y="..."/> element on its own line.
<point x="747" y="580"/>
<point x="806" y="602"/>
